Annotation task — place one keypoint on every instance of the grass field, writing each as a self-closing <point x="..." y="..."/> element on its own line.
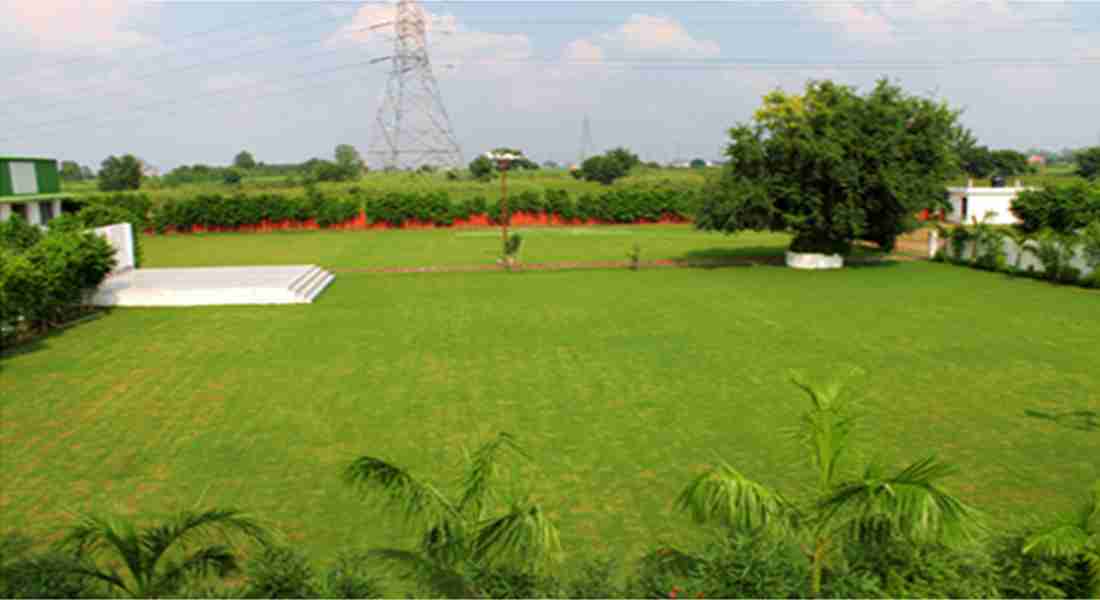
<point x="447" y="247"/>
<point x="621" y="384"/>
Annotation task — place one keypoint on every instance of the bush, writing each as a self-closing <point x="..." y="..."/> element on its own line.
<point x="349" y="577"/>
<point x="26" y="573"/>
<point x="1061" y="208"/>
<point x="1021" y="575"/>
<point x="17" y="234"/>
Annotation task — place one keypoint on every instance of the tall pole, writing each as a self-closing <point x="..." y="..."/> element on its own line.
<point x="506" y="216"/>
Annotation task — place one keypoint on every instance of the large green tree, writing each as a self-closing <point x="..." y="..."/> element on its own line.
<point x="606" y="168"/>
<point x="871" y="506"/>
<point x="349" y="160"/>
<point x="833" y="166"/>
<point x="120" y="173"/>
<point x="974" y="160"/>
<point x="70" y="171"/>
<point x="1009" y="163"/>
<point x="1088" y="162"/>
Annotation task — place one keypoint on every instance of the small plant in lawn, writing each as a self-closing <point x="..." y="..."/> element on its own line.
<point x="511" y="250"/>
<point x="871" y="508"/>
<point x="461" y="539"/>
<point x="635" y="256"/>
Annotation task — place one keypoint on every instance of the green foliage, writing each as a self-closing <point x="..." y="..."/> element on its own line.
<point x="1088" y="162"/>
<point x="1090" y="240"/>
<point x="902" y="570"/>
<point x="874" y="508"/>
<point x="975" y="161"/>
<point x="482" y="168"/>
<point x="1055" y="251"/>
<point x="244" y="160"/>
<point x="323" y="170"/>
<point x="739" y="566"/>
<point x="460" y="538"/>
<point x="16" y="234"/>
<point x="349" y="160"/>
<point x="833" y="166"/>
<point x="608" y="167"/>
<point x="120" y="173"/>
<point x="635" y="256"/>
<point x="158" y="560"/>
<point x="280" y="572"/>
<point x="698" y="163"/>
<point x="1063" y="208"/>
<point x="26" y="572"/>
<point x="1008" y="163"/>
<point x="232" y="177"/>
<point x="70" y="171"/>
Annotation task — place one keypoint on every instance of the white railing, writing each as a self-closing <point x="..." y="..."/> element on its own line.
<point x="1012" y="251"/>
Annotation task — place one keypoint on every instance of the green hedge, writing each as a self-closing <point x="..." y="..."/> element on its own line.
<point x="435" y="207"/>
<point x="43" y="277"/>
<point x="1062" y="208"/>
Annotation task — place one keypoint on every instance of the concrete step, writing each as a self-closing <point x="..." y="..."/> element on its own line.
<point x="303" y="280"/>
<point x="318" y="286"/>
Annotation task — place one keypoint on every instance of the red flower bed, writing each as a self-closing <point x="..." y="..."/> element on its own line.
<point x="360" y="223"/>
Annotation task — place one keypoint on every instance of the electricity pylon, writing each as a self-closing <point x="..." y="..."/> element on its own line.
<point x="586" y="140"/>
<point x="412" y="128"/>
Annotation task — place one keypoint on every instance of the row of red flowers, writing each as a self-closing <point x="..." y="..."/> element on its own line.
<point x="361" y="222"/>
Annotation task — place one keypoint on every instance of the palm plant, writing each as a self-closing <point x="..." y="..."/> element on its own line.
<point x="1055" y="251"/>
<point x="1020" y="238"/>
<point x="871" y="507"/>
<point x="158" y="559"/>
<point x="461" y="537"/>
<point x="1076" y="537"/>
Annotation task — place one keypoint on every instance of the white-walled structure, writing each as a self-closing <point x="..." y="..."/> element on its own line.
<point x="121" y="238"/>
<point x="36" y="211"/>
<point x="1027" y="260"/>
<point x="968" y="203"/>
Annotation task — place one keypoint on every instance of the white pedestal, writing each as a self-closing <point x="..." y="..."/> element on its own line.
<point x="799" y="260"/>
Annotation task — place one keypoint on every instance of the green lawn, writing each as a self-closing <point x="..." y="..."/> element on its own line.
<point x="621" y="384"/>
<point x="342" y="249"/>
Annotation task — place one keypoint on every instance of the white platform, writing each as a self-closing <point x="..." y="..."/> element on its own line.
<point x="213" y="286"/>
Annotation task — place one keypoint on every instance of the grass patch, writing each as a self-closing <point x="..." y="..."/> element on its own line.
<point x="621" y="384"/>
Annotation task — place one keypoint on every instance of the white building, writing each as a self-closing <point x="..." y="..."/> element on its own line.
<point x="968" y="203"/>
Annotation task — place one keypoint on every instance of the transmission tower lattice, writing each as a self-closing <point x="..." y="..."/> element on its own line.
<point x="586" y="140"/>
<point x="412" y="128"/>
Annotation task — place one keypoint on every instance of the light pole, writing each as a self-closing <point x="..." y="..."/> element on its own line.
<point x="504" y="162"/>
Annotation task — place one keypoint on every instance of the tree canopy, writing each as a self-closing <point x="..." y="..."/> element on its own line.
<point x="833" y="166"/>
<point x="120" y="173"/>
<point x="608" y="167"/>
<point x="1088" y="162"/>
<point x="244" y="160"/>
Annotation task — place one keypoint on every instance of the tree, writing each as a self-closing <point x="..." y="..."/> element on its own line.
<point x="832" y="166"/>
<point x="871" y="507"/>
<point x="520" y="163"/>
<point x="1076" y="537"/>
<point x="244" y="160"/>
<point x="1009" y="162"/>
<point x="120" y="173"/>
<point x="462" y="537"/>
<point x="550" y="164"/>
<point x="231" y="176"/>
<point x="158" y="559"/>
<point x="86" y="173"/>
<point x="70" y="171"/>
<point x="481" y="167"/>
<point x="348" y="159"/>
<point x="976" y="161"/>
<point x="698" y="163"/>
<point x="608" y="167"/>
<point x="1088" y="162"/>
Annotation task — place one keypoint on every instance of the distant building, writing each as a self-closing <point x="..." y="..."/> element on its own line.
<point x="969" y="203"/>
<point x="30" y="188"/>
<point x="1037" y="160"/>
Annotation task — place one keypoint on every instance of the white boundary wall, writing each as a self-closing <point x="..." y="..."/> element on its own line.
<point x="121" y="238"/>
<point x="1028" y="260"/>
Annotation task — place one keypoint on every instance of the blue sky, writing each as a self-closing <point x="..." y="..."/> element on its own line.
<point x="186" y="82"/>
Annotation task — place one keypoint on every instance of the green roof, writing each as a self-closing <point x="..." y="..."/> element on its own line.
<point x="24" y="158"/>
<point x="23" y="198"/>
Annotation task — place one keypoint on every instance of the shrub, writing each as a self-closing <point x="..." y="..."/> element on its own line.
<point x="1031" y="575"/>
<point x="1054" y="251"/>
<point x="17" y="234"/>
<point x="26" y="573"/>
<point x="348" y="577"/>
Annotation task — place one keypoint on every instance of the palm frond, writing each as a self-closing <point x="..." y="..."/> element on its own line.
<point x="445" y="581"/>
<point x="188" y="526"/>
<point x="94" y="535"/>
<point x="417" y="501"/>
<point x="910" y="504"/>
<point x="825" y="430"/>
<point x="478" y="484"/>
<point x="216" y="559"/>
<point x="1062" y="541"/>
<point x="723" y="495"/>
<point x="525" y="538"/>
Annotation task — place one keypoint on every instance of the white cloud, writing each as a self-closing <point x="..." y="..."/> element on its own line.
<point x="582" y="51"/>
<point x="449" y="39"/>
<point x="649" y="35"/>
<point x="61" y="25"/>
